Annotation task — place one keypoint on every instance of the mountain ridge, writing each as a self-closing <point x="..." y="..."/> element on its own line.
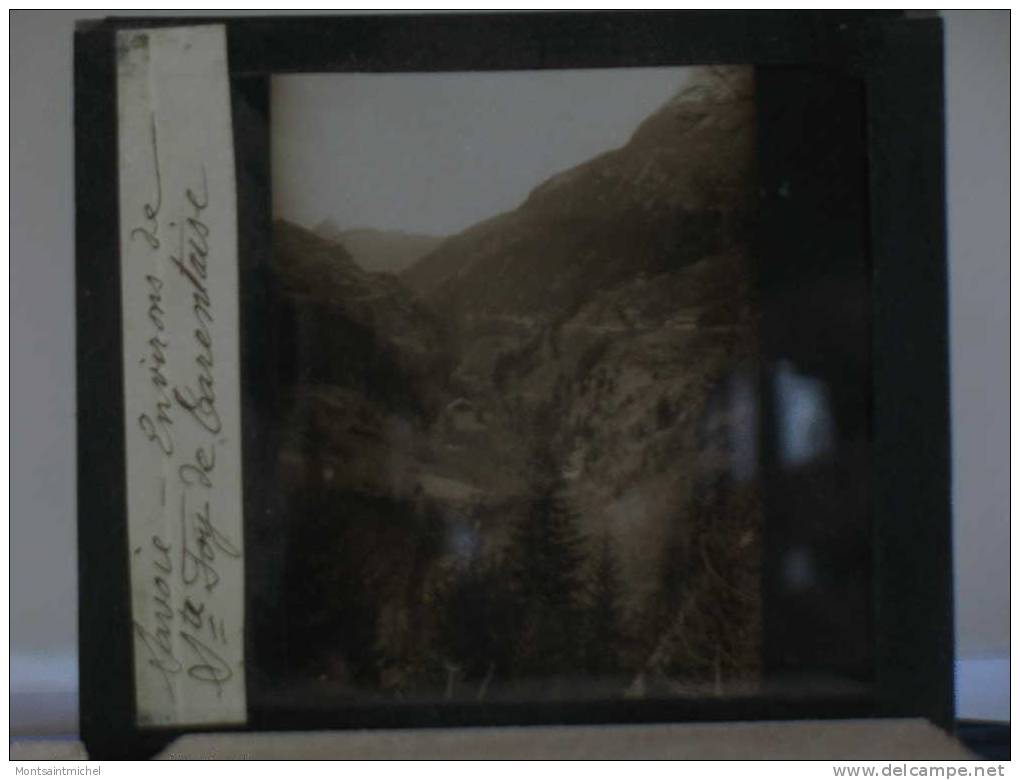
<point x="377" y="249"/>
<point x="677" y="183"/>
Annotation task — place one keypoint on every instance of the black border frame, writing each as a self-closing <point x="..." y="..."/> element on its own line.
<point x="898" y="60"/>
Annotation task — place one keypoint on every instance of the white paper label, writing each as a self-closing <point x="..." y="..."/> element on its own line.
<point x="181" y="374"/>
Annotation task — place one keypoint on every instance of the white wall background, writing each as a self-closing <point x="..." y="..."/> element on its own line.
<point x="43" y="542"/>
<point x="977" y="170"/>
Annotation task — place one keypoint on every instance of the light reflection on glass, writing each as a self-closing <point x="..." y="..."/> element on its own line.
<point x="803" y="417"/>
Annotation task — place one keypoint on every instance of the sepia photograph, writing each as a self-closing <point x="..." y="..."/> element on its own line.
<point x="480" y="385"/>
<point x="517" y="437"/>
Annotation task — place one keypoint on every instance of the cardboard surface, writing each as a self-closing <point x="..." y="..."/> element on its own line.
<point x="824" y="740"/>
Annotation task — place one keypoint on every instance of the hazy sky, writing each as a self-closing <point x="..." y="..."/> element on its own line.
<point x="436" y="153"/>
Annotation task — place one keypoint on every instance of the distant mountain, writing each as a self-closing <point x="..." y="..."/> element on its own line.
<point x="374" y="250"/>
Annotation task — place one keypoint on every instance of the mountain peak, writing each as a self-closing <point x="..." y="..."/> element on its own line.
<point x="328" y="229"/>
<point x="716" y="84"/>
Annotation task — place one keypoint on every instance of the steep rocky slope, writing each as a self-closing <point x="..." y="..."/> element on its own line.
<point x="668" y="197"/>
<point x="605" y="312"/>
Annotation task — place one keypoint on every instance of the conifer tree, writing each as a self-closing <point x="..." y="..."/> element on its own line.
<point x="605" y="635"/>
<point x="545" y="561"/>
